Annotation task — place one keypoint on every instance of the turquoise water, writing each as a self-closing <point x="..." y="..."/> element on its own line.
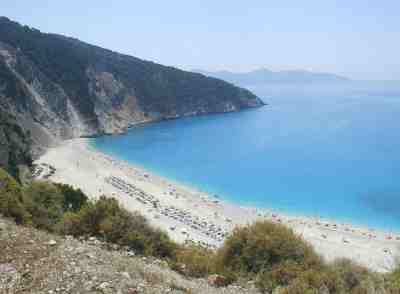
<point x="336" y="158"/>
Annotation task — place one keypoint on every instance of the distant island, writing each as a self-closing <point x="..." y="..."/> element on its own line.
<point x="265" y="76"/>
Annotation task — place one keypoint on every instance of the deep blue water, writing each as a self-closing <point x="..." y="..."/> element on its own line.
<point x="316" y="155"/>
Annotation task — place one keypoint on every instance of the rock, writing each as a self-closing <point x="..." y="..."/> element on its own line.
<point x="2" y="226"/>
<point x="181" y="268"/>
<point x="104" y="285"/>
<point x="77" y="270"/>
<point x="52" y="243"/>
<point x="115" y="247"/>
<point x="163" y="263"/>
<point x="9" y="277"/>
<point x="93" y="241"/>
<point x="131" y="253"/>
<point x="126" y="275"/>
<point x="217" y="281"/>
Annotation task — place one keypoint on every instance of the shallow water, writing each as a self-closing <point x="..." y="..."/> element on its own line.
<point x="318" y="155"/>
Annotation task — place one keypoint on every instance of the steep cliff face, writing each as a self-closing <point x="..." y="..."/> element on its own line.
<point x="60" y="88"/>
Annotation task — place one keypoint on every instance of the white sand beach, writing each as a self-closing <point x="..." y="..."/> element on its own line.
<point x="190" y="215"/>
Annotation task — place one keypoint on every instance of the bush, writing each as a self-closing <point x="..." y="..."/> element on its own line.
<point x="281" y="274"/>
<point x="393" y="281"/>
<point x="314" y="281"/>
<point x="45" y="203"/>
<point x="74" y="199"/>
<point x="355" y="278"/>
<point x="262" y="246"/>
<point x="106" y="219"/>
<point x="194" y="261"/>
<point x="341" y="277"/>
<point x="12" y="200"/>
<point x="41" y="204"/>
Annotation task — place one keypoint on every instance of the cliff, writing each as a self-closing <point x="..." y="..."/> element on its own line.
<point x="58" y="88"/>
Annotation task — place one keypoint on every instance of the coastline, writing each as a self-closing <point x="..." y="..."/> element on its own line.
<point x="190" y="215"/>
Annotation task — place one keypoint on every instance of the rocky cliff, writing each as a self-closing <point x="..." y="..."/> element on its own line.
<point x="58" y="88"/>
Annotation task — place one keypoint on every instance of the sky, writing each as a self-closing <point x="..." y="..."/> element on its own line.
<point x="359" y="39"/>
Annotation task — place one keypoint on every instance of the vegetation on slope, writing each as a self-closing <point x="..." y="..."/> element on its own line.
<point x="107" y="220"/>
<point x="64" y="210"/>
<point x="11" y="199"/>
<point x="14" y="144"/>
<point x="269" y="254"/>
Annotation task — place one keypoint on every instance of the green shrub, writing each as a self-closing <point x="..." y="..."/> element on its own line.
<point x="260" y="247"/>
<point x="159" y="244"/>
<point x="45" y="203"/>
<point x="355" y="278"/>
<point x="315" y="280"/>
<point x="74" y="199"/>
<point x="393" y="281"/>
<point x="106" y="219"/>
<point x="12" y="200"/>
<point x="281" y="274"/>
<point x="343" y="276"/>
<point x="194" y="261"/>
<point x="41" y="203"/>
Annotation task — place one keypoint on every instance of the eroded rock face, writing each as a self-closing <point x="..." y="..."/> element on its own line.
<point x="116" y="106"/>
<point x="59" y="88"/>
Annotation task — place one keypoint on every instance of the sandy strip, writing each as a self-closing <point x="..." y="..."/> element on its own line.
<point x="190" y="215"/>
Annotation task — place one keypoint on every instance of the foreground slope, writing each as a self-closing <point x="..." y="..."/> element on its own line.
<point x="59" y="87"/>
<point x="37" y="262"/>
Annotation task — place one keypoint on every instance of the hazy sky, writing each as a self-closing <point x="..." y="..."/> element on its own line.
<point x="356" y="38"/>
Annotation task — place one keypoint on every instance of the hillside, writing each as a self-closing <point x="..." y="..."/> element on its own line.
<point x="37" y="262"/>
<point x="59" y="87"/>
<point x="264" y="76"/>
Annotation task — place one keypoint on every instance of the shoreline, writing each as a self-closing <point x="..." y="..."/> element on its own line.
<point x="190" y="215"/>
<point x="164" y="119"/>
<point x="220" y="197"/>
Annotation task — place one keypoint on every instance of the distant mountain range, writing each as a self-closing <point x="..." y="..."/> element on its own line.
<point x="265" y="76"/>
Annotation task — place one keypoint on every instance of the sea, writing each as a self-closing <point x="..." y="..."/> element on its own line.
<point x="329" y="152"/>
